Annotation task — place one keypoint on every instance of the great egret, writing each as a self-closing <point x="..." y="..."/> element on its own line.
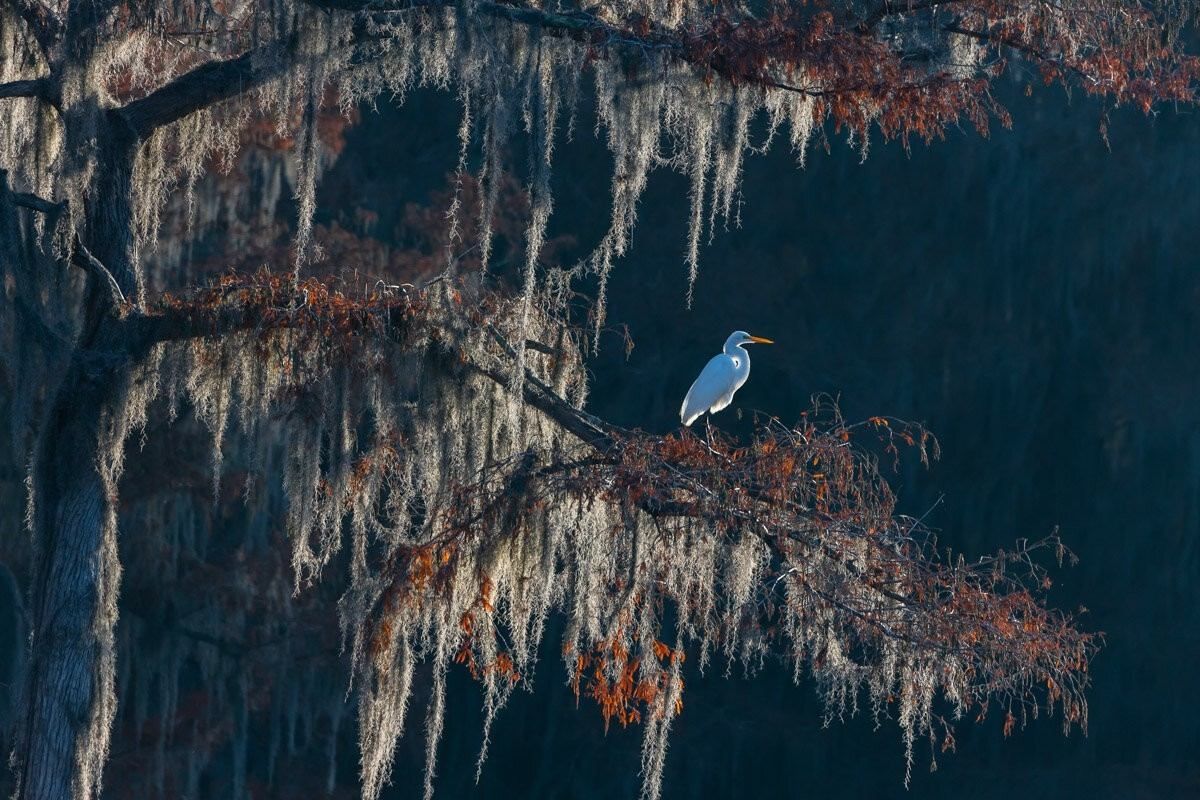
<point x="723" y="375"/>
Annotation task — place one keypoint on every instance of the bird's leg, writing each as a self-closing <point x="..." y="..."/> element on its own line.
<point x="708" y="430"/>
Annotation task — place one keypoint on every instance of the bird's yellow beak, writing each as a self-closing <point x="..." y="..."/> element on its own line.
<point x="761" y="340"/>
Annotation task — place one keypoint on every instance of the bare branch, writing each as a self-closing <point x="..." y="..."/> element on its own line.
<point x="33" y="87"/>
<point x="83" y="258"/>
<point x="31" y="201"/>
<point x="35" y="203"/>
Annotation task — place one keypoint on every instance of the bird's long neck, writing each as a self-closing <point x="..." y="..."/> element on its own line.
<point x="738" y="352"/>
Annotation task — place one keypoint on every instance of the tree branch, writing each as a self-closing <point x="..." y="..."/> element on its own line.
<point x="216" y="81"/>
<point x="582" y="27"/>
<point x="83" y="258"/>
<point x="605" y="439"/>
<point x="32" y="87"/>
<point x="35" y="203"/>
<point x="589" y="429"/>
<point x="30" y="201"/>
<point x="204" y="86"/>
<point x="668" y="484"/>
<point x="1024" y="49"/>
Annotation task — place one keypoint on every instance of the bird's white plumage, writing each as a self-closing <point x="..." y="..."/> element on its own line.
<point x="721" y="377"/>
<point x="713" y="390"/>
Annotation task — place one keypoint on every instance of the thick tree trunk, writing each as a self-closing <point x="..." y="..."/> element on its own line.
<point x="68" y="689"/>
<point x="69" y="700"/>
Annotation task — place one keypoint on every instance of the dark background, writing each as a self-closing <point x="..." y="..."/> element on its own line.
<point x="1030" y="297"/>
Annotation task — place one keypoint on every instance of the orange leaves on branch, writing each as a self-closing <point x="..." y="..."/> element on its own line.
<point x="502" y="664"/>
<point x="317" y="311"/>
<point x="917" y="69"/>
<point x="619" y="685"/>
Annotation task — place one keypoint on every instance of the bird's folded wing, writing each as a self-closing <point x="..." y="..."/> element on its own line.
<point x="715" y="381"/>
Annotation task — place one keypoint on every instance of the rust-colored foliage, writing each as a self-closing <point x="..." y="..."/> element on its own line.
<point x="877" y="65"/>
<point x="268" y="302"/>
<point x="609" y="674"/>
<point x="840" y="558"/>
<point x="272" y="135"/>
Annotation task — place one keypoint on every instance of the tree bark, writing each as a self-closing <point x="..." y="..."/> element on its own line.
<point x="68" y="697"/>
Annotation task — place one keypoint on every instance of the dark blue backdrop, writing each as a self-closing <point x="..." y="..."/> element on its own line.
<point x="1031" y="297"/>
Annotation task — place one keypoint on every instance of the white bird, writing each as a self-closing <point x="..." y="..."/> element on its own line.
<point x="723" y="375"/>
